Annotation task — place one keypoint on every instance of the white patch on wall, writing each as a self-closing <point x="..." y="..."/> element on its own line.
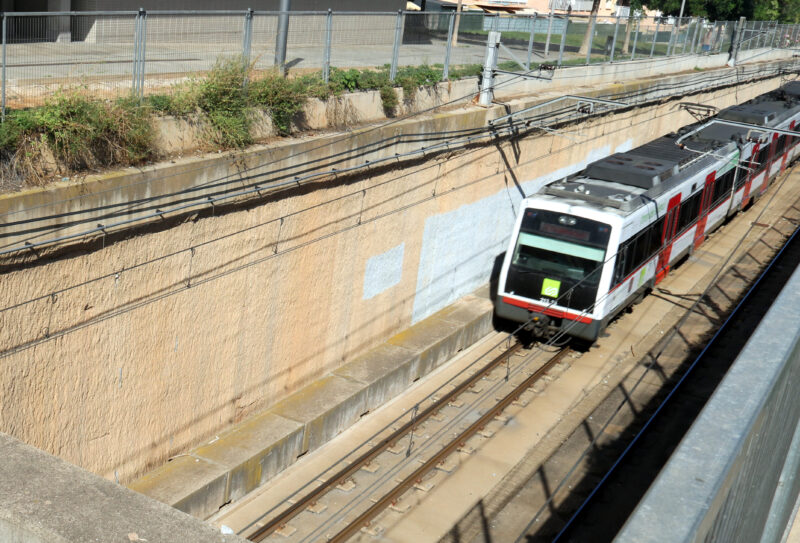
<point x="459" y="248"/>
<point x="626" y="145"/>
<point x="383" y="271"/>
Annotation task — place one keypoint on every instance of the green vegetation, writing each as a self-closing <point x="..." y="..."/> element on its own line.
<point x="78" y="132"/>
<point x="73" y="131"/>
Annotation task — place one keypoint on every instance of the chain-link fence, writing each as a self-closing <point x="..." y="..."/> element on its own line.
<point x="115" y="53"/>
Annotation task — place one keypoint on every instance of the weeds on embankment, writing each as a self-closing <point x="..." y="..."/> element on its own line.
<point x="75" y="132"/>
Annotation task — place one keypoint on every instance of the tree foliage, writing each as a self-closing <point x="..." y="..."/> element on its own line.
<point x="785" y="11"/>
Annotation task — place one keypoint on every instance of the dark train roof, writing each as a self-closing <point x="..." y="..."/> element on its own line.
<point x="626" y="181"/>
<point x="767" y="110"/>
<point x="648" y="165"/>
<point x="622" y="180"/>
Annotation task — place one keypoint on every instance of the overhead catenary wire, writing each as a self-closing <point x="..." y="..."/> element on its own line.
<point x="237" y="177"/>
<point x="223" y="196"/>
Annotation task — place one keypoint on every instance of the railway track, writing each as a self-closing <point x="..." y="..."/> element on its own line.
<point x="345" y="500"/>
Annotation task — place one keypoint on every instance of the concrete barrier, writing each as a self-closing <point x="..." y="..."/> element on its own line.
<point x="734" y="477"/>
<point x="47" y="500"/>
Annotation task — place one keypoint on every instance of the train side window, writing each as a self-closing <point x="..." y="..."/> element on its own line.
<point x="641" y="248"/>
<point x="722" y="187"/>
<point x="741" y="177"/>
<point x="763" y="156"/>
<point x="690" y="209"/>
<point x="781" y="143"/>
<point x="656" y="232"/>
<point x="622" y="262"/>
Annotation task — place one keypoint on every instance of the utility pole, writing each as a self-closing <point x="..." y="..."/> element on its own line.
<point x="455" y="27"/>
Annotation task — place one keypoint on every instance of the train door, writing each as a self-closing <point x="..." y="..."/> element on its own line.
<point x="668" y="236"/>
<point x="773" y="144"/>
<point x="705" y="203"/>
<point x="787" y="146"/>
<point x="752" y="166"/>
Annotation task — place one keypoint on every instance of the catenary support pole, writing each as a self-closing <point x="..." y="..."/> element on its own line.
<point x="449" y="47"/>
<point x="326" y="61"/>
<point x="398" y="25"/>
<point x="282" y="36"/>
<point x="489" y="64"/>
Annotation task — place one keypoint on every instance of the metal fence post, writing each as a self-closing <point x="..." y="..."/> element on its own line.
<point x="449" y="47"/>
<point x="282" y="36"/>
<point x="530" y="41"/>
<point x="686" y="37"/>
<point x="671" y="43"/>
<point x="697" y="27"/>
<point x="563" y="39"/>
<point x="591" y="40"/>
<point x="5" y="19"/>
<point x="489" y="64"/>
<point x="137" y="32"/>
<point x="736" y="42"/>
<point x="326" y="61"/>
<point x="396" y="48"/>
<point x="549" y="33"/>
<point x="635" y="39"/>
<point x="142" y="53"/>
<point x="614" y="39"/>
<point x="655" y="38"/>
<point x="246" y="42"/>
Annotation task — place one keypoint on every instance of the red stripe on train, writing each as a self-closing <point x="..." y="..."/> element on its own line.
<point x="547" y="311"/>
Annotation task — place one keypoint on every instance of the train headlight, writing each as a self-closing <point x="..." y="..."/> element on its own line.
<point x="566" y="220"/>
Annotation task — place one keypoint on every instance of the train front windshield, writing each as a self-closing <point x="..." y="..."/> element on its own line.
<point x="558" y="257"/>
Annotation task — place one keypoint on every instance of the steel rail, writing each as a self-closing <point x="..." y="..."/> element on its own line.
<point x="386" y="443"/>
<point x="364" y="518"/>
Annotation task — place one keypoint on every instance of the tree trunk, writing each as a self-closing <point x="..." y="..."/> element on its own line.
<point x="587" y="38"/>
<point x="628" y="29"/>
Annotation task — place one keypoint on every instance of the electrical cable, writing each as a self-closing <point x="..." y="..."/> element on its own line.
<point x="237" y="178"/>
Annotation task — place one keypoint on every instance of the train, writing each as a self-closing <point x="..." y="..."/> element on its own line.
<point x="593" y="244"/>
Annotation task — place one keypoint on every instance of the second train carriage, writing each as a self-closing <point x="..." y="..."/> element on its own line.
<point x="586" y="247"/>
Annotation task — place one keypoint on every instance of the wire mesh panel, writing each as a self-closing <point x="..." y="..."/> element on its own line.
<point x="516" y="33"/>
<point x="180" y="46"/>
<point x="423" y="39"/>
<point x="468" y="50"/>
<point x="305" y="41"/>
<point x="48" y="53"/>
<point x="362" y="41"/>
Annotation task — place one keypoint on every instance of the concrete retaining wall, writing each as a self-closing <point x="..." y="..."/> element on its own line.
<point x="120" y="354"/>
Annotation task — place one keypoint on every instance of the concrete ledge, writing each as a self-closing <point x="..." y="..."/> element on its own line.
<point x="325" y="408"/>
<point x="47" y="500"/>
<point x="254" y="452"/>
<point x="251" y="453"/>
<point x="187" y="483"/>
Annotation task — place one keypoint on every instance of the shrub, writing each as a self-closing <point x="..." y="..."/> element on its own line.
<point x="284" y="98"/>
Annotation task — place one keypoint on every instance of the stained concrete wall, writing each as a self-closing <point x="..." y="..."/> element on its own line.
<point x="119" y="355"/>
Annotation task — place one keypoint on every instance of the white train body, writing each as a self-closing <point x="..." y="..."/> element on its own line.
<point x="586" y="247"/>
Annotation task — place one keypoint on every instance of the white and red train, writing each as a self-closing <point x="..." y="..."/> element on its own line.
<point x="586" y="247"/>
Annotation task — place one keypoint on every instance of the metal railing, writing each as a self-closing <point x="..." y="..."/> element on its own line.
<point x="734" y="477"/>
<point x="147" y="52"/>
